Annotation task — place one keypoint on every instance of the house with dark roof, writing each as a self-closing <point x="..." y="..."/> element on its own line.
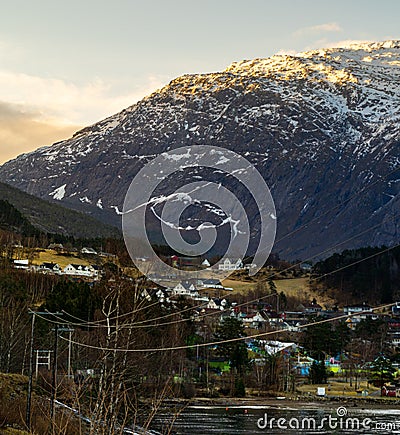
<point x="80" y="270"/>
<point x="185" y="288"/>
<point x="310" y="308"/>
<point x="217" y="304"/>
<point x="50" y="268"/>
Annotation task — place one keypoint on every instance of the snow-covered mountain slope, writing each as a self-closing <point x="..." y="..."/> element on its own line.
<point x="322" y="127"/>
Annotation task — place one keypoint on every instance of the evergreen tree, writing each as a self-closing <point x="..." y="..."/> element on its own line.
<point x="235" y="352"/>
<point x="318" y="373"/>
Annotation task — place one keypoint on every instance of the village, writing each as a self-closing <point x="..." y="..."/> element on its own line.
<point x="277" y="327"/>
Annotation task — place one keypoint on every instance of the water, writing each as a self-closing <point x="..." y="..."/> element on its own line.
<point x="308" y="419"/>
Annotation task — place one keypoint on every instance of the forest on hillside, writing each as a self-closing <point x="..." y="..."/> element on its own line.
<point x="370" y="274"/>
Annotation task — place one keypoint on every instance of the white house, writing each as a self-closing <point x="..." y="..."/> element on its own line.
<point x="254" y="320"/>
<point x="185" y="288"/>
<point x="357" y="313"/>
<point x="210" y="283"/>
<point x="217" y="304"/>
<point x="273" y="347"/>
<point x="231" y="264"/>
<point x="88" y="251"/>
<point x="50" y="268"/>
<point x="155" y="293"/>
<point x="80" y="270"/>
<point x="21" y="264"/>
<point x="107" y="255"/>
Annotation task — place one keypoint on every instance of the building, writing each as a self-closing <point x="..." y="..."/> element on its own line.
<point x="210" y="283"/>
<point x="217" y="304"/>
<point x="21" y="264"/>
<point x="185" y="288"/>
<point x="89" y="251"/>
<point x="254" y="320"/>
<point x="357" y="313"/>
<point x="80" y="270"/>
<point x="107" y="255"/>
<point x="231" y="264"/>
<point x="311" y="308"/>
<point x="56" y="247"/>
<point x="50" y="268"/>
<point x="157" y="294"/>
<point x="356" y="309"/>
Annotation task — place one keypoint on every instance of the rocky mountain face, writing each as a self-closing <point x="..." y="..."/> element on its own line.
<point x="322" y="127"/>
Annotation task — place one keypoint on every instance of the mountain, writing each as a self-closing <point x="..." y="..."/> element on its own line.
<point x="29" y="215"/>
<point x="322" y="127"/>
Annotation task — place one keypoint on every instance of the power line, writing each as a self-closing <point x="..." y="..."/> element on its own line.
<point x="216" y="343"/>
<point x="138" y="325"/>
<point x="356" y="194"/>
<point x="98" y="323"/>
<point x="357" y="262"/>
<point x="252" y="336"/>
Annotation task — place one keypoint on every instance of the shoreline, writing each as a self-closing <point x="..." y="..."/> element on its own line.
<point x="290" y="402"/>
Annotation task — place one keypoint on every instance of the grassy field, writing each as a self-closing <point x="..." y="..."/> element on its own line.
<point x="296" y="287"/>
<point x="336" y="388"/>
<point x="239" y="286"/>
<point x="51" y="256"/>
<point x="293" y="287"/>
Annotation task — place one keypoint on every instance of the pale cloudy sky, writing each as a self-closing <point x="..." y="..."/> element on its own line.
<point x="67" y="64"/>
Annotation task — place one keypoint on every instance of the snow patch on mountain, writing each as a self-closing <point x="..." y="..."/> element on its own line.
<point x="324" y="122"/>
<point x="58" y="193"/>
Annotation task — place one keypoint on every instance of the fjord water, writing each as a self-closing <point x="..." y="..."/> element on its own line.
<point x="204" y="420"/>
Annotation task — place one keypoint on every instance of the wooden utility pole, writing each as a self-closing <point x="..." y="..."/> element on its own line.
<point x="54" y="380"/>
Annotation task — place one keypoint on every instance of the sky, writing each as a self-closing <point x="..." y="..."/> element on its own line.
<point x="67" y="64"/>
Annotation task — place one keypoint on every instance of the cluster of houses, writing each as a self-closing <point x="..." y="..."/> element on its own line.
<point x="198" y="289"/>
<point x="226" y="264"/>
<point x="92" y="272"/>
<point x="266" y="316"/>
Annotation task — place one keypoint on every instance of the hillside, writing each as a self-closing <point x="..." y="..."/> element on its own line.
<point x="28" y="213"/>
<point x="322" y="128"/>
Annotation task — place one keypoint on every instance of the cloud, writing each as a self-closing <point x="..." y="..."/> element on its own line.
<point x="326" y="43"/>
<point x="22" y="131"/>
<point x="37" y="111"/>
<point x="317" y="29"/>
<point x="66" y="101"/>
<point x="345" y="43"/>
<point x="284" y="52"/>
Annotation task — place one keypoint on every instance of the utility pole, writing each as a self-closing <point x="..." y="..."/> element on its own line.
<point x="70" y="331"/>
<point x="69" y="352"/>
<point x="57" y="330"/>
<point x="54" y="379"/>
<point x="29" y="398"/>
